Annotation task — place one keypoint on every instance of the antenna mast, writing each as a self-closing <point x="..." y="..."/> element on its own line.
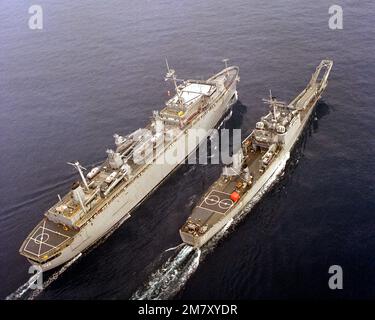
<point x="274" y="104"/>
<point x="171" y="75"/>
<point x="226" y="65"/>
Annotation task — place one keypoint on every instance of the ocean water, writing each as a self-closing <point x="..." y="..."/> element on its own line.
<point x="97" y="68"/>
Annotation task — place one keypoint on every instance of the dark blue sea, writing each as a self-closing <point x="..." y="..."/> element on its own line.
<point x="97" y="68"/>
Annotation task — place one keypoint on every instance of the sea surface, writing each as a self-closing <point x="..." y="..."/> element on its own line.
<point x="97" y="68"/>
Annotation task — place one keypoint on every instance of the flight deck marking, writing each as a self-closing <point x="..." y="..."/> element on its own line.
<point x="211" y="210"/>
<point x="226" y="203"/>
<point x="213" y="199"/>
<point x="40" y="244"/>
<point x="43" y="242"/>
<point x="42" y="239"/>
<point x="61" y="234"/>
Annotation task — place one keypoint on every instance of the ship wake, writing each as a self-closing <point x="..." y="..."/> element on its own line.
<point x="167" y="281"/>
<point x="170" y="278"/>
<point x="27" y="291"/>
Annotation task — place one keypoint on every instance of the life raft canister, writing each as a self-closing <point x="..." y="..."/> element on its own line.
<point x="235" y="196"/>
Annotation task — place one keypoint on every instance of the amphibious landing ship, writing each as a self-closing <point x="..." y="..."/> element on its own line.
<point x="106" y="196"/>
<point x="263" y="156"/>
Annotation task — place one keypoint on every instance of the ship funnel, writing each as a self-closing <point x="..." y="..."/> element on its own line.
<point x="235" y="168"/>
<point x="159" y="125"/>
<point x="78" y="195"/>
<point x="237" y="161"/>
<point x="114" y="159"/>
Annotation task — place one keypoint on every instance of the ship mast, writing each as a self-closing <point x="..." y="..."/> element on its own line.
<point x="79" y="169"/>
<point x="274" y="105"/>
<point x="171" y="75"/>
<point x="226" y="65"/>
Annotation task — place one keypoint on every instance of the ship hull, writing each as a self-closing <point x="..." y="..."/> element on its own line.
<point x="272" y="172"/>
<point x="121" y="208"/>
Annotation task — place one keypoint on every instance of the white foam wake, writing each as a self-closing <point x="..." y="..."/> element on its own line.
<point x="225" y="119"/>
<point x="27" y="287"/>
<point x="20" y="292"/>
<point x="169" y="279"/>
<point x="166" y="281"/>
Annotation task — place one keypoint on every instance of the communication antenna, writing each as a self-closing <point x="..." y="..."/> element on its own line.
<point x="225" y="62"/>
<point x="226" y="65"/>
<point x="274" y="104"/>
<point x="79" y="169"/>
<point x="171" y="75"/>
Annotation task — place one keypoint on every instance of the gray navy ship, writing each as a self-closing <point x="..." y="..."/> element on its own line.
<point x="262" y="157"/>
<point x="107" y="195"/>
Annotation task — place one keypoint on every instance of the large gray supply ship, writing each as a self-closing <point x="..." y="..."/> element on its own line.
<point x="107" y="195"/>
<point x="263" y="156"/>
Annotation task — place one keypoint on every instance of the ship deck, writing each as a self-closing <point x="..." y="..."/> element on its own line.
<point x="216" y="203"/>
<point x="191" y="93"/>
<point x="46" y="240"/>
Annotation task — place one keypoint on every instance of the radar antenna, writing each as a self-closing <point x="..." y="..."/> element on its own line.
<point x="79" y="169"/>
<point x="274" y="104"/>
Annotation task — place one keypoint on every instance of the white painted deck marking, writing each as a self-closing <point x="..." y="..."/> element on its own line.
<point x="211" y="210"/>
<point x="40" y="243"/>
<point x="225" y="204"/>
<point x="43" y="238"/>
<point x="61" y="234"/>
<point x="213" y="199"/>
